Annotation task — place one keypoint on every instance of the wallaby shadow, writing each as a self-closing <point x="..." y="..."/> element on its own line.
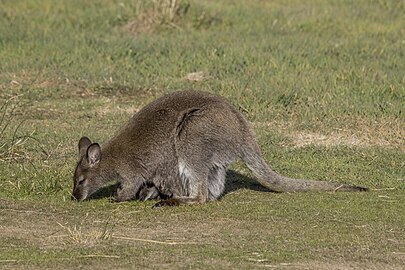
<point x="234" y="181"/>
<point x="109" y="191"/>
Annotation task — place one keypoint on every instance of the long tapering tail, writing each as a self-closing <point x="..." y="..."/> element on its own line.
<point x="252" y="157"/>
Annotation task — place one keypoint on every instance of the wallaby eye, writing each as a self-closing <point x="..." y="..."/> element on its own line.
<point x="81" y="181"/>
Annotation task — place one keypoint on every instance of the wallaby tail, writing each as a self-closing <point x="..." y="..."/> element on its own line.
<point x="252" y="157"/>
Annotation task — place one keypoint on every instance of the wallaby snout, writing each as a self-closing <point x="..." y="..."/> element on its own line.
<point x="78" y="195"/>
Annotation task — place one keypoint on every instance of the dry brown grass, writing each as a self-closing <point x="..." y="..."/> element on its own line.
<point x="198" y="76"/>
<point x="352" y="131"/>
<point x="79" y="235"/>
<point x="153" y="14"/>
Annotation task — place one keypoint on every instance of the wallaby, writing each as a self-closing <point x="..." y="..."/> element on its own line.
<point x="178" y="148"/>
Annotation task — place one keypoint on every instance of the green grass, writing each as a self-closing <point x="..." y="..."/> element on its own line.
<point x="322" y="83"/>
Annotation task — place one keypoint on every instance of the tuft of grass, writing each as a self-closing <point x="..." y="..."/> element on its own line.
<point x="79" y="235"/>
<point x="151" y="15"/>
<point x="12" y="144"/>
<point x="157" y="15"/>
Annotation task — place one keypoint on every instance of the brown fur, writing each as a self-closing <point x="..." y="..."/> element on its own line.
<point x="179" y="147"/>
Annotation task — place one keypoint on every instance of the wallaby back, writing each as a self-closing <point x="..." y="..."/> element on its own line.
<point x="179" y="147"/>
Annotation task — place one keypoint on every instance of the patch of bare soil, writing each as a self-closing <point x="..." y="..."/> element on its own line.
<point x="356" y="131"/>
<point x="198" y="76"/>
<point x="301" y="139"/>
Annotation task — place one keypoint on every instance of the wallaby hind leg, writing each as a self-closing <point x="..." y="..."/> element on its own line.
<point x="194" y="181"/>
<point x="216" y="182"/>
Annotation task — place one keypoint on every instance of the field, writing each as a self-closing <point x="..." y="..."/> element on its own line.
<point x="322" y="83"/>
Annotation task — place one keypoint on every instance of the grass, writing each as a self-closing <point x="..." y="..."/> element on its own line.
<point x="322" y="83"/>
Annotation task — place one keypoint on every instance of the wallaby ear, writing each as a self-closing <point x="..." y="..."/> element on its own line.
<point x="84" y="143"/>
<point x="93" y="154"/>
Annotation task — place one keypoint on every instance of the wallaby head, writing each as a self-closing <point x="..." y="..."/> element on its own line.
<point x="92" y="173"/>
<point x="87" y="176"/>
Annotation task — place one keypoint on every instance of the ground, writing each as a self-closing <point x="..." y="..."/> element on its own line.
<point x="321" y="82"/>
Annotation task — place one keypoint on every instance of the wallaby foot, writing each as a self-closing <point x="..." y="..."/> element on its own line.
<point x="175" y="201"/>
<point x="168" y="202"/>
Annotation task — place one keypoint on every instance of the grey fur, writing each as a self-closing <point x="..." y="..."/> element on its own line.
<point x="179" y="146"/>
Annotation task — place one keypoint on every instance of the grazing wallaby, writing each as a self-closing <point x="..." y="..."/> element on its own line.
<point x="178" y="147"/>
